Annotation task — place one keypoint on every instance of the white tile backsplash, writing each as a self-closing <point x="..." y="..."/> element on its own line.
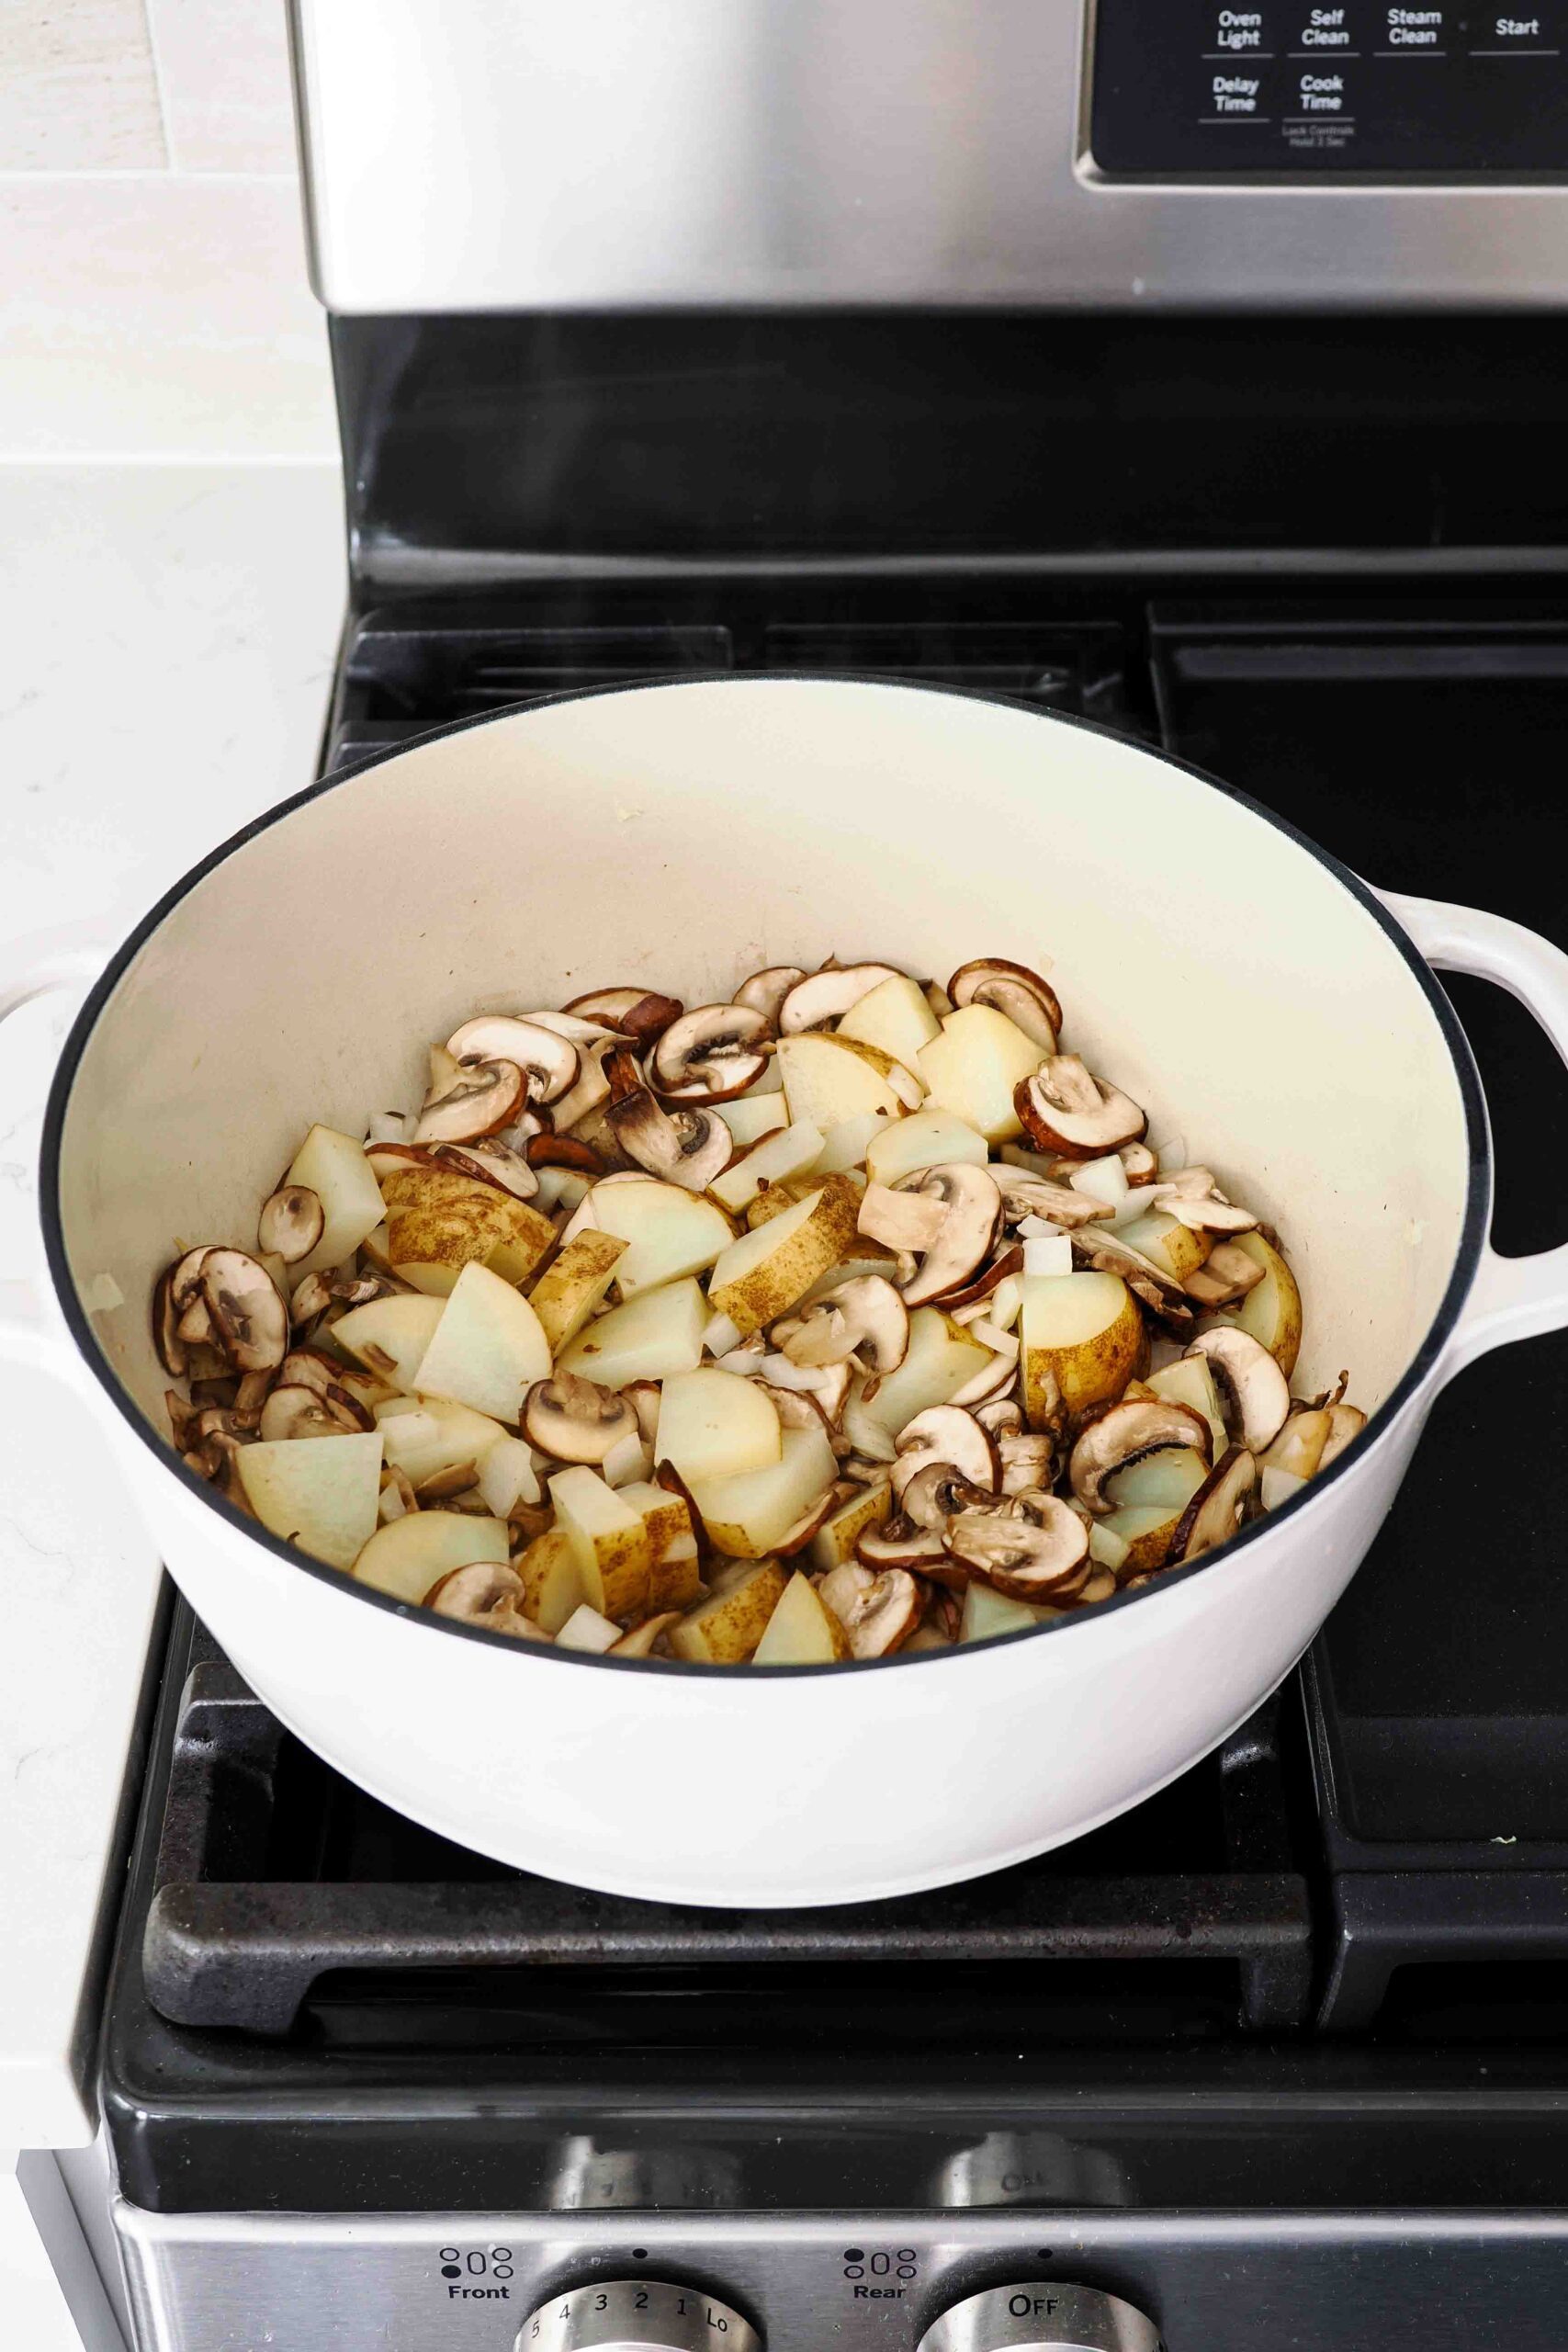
<point x="223" y="70"/>
<point x="162" y="316"/>
<point x="154" y="299"/>
<point x="77" y="87"/>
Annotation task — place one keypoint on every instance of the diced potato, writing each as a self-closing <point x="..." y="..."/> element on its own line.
<point x="988" y="1614"/>
<point x="927" y="1138"/>
<point x="552" y="1580"/>
<point x="674" y="1579"/>
<point x="507" y="1475"/>
<point x="828" y="1078"/>
<point x="570" y="1288"/>
<point x="1189" y="1381"/>
<point x="424" y="1437"/>
<point x="712" y="1424"/>
<point x="488" y="1348"/>
<point x="438" y="1221"/>
<point x="334" y="1168"/>
<point x="585" y="1629"/>
<point x="1272" y="1311"/>
<point x="974" y="1067"/>
<point x="609" y="1540"/>
<point x="1083" y="1340"/>
<point x="846" y="1145"/>
<point x="1171" y="1245"/>
<point x="725" y="1629"/>
<point x="409" y="1555"/>
<point x="834" y="1542"/>
<point x="801" y="1631"/>
<point x="668" y="1231"/>
<point x="765" y="1271"/>
<point x="752" y="1117"/>
<point x="1148" y="1531"/>
<point x="940" y="1360"/>
<point x="789" y="1151"/>
<point x="895" y="1016"/>
<point x="390" y="1335"/>
<point x="653" y="1335"/>
<point x="321" y="1495"/>
<point x="746" y="1516"/>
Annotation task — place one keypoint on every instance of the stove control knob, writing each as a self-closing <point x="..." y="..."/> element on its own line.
<point x="647" y="2312"/>
<point x="1047" y="2316"/>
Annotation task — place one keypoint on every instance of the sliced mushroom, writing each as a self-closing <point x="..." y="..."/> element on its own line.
<point x="711" y="1055"/>
<point x="900" y="1543"/>
<point x="900" y="1220"/>
<point x="291" y="1223"/>
<point x="1009" y="1259"/>
<point x="1024" y="1194"/>
<point x="1192" y="1197"/>
<point x="1155" y="1288"/>
<point x="296" y="1411"/>
<point x="591" y="1090"/>
<point x="993" y="1379"/>
<point x="687" y="1148"/>
<point x="828" y="1385"/>
<point x="1123" y="1434"/>
<point x="1004" y="1418"/>
<point x="1040" y="1554"/>
<point x="936" y="1492"/>
<point x="1031" y="1003"/>
<point x="828" y="994"/>
<point x="482" y="1097"/>
<point x="796" y="1539"/>
<point x="643" y="1397"/>
<point x="798" y="1409"/>
<point x="490" y="1161"/>
<point x="166" y="1339"/>
<point x="640" y="1013"/>
<point x="576" y="1421"/>
<point x="878" y="1611"/>
<point x="947" y="1433"/>
<point x="1226" y="1275"/>
<point x="864" y="1318"/>
<point x="549" y="1061"/>
<point x="1254" y="1392"/>
<point x="564" y="1151"/>
<point x="445" y="1485"/>
<point x="185" y="1282"/>
<point x="643" y="1639"/>
<point x="1139" y="1164"/>
<point x="969" y="1228"/>
<point x="1215" y="1512"/>
<point x="474" y="1593"/>
<point x="580" y="1030"/>
<point x="765" y="991"/>
<point x="249" y="1319"/>
<point x="1346" y="1423"/>
<point x="312" y="1298"/>
<point x="1027" y="1458"/>
<point x="1065" y="1109"/>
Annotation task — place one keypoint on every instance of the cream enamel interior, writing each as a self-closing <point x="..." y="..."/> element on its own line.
<point x="683" y="836"/>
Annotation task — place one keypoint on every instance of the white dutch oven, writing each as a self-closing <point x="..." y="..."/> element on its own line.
<point x="1250" y="992"/>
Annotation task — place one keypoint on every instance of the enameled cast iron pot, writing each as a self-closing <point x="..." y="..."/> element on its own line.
<point x="1252" y="994"/>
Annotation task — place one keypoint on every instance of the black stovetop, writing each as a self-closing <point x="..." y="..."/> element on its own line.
<point x="1326" y="1967"/>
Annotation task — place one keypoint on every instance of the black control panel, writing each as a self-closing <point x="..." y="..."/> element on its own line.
<point x="1197" y="89"/>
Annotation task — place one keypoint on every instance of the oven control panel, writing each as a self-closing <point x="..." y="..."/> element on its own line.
<point x="1195" y="89"/>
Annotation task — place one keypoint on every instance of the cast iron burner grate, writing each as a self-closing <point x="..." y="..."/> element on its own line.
<point x="275" y="1879"/>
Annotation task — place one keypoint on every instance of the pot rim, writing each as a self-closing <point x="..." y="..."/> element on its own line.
<point x="1472" y="1233"/>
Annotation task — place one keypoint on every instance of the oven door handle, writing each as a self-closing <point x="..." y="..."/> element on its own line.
<point x="1511" y="1298"/>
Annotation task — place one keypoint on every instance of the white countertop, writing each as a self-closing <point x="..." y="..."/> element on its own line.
<point x="168" y="636"/>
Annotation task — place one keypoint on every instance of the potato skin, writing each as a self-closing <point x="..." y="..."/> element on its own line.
<point x="1272" y="1311"/>
<point x="725" y="1630"/>
<point x="1060" y="1384"/>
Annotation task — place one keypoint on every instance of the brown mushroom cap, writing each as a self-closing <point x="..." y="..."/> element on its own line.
<point x="967" y="1234"/>
<point x="1253" y="1390"/>
<point x="765" y="991"/>
<point x="710" y="1055"/>
<point x="1215" y="1512"/>
<point x="685" y="1148"/>
<point x="564" y="1151"/>
<point x="900" y="1543"/>
<point x="1139" y="1164"/>
<point x="864" y="1317"/>
<point x="471" y="1594"/>
<point x="946" y="1433"/>
<point x="1029" y="1002"/>
<point x="1008" y="1260"/>
<point x="1192" y="1197"/>
<point x="827" y="995"/>
<point x="296" y="1411"/>
<point x="549" y="1061"/>
<point x="1027" y="1460"/>
<point x="1152" y="1285"/>
<point x="1024" y="1194"/>
<point x="490" y="1161"/>
<point x="482" y="1097"/>
<point x="291" y="1223"/>
<point x="1034" y="1550"/>
<point x="1346" y="1423"/>
<point x="1065" y="1109"/>
<point x="576" y="1421"/>
<point x="936" y="1493"/>
<point x="1003" y="1418"/>
<point x="1123" y="1434"/>
<point x="878" y="1610"/>
<point x="640" y="1013"/>
<point x="1226" y="1275"/>
<point x="165" y="1331"/>
<point x="249" y="1319"/>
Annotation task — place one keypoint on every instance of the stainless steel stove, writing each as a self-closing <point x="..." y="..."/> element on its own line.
<point x="1096" y="359"/>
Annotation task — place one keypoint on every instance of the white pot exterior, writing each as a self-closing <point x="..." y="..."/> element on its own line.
<point x="1218" y="968"/>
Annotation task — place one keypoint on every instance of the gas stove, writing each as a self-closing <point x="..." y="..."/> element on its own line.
<point x="981" y="347"/>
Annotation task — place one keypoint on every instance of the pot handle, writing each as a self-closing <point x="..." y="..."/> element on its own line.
<point x="1512" y="1298"/>
<point x="68" y="957"/>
